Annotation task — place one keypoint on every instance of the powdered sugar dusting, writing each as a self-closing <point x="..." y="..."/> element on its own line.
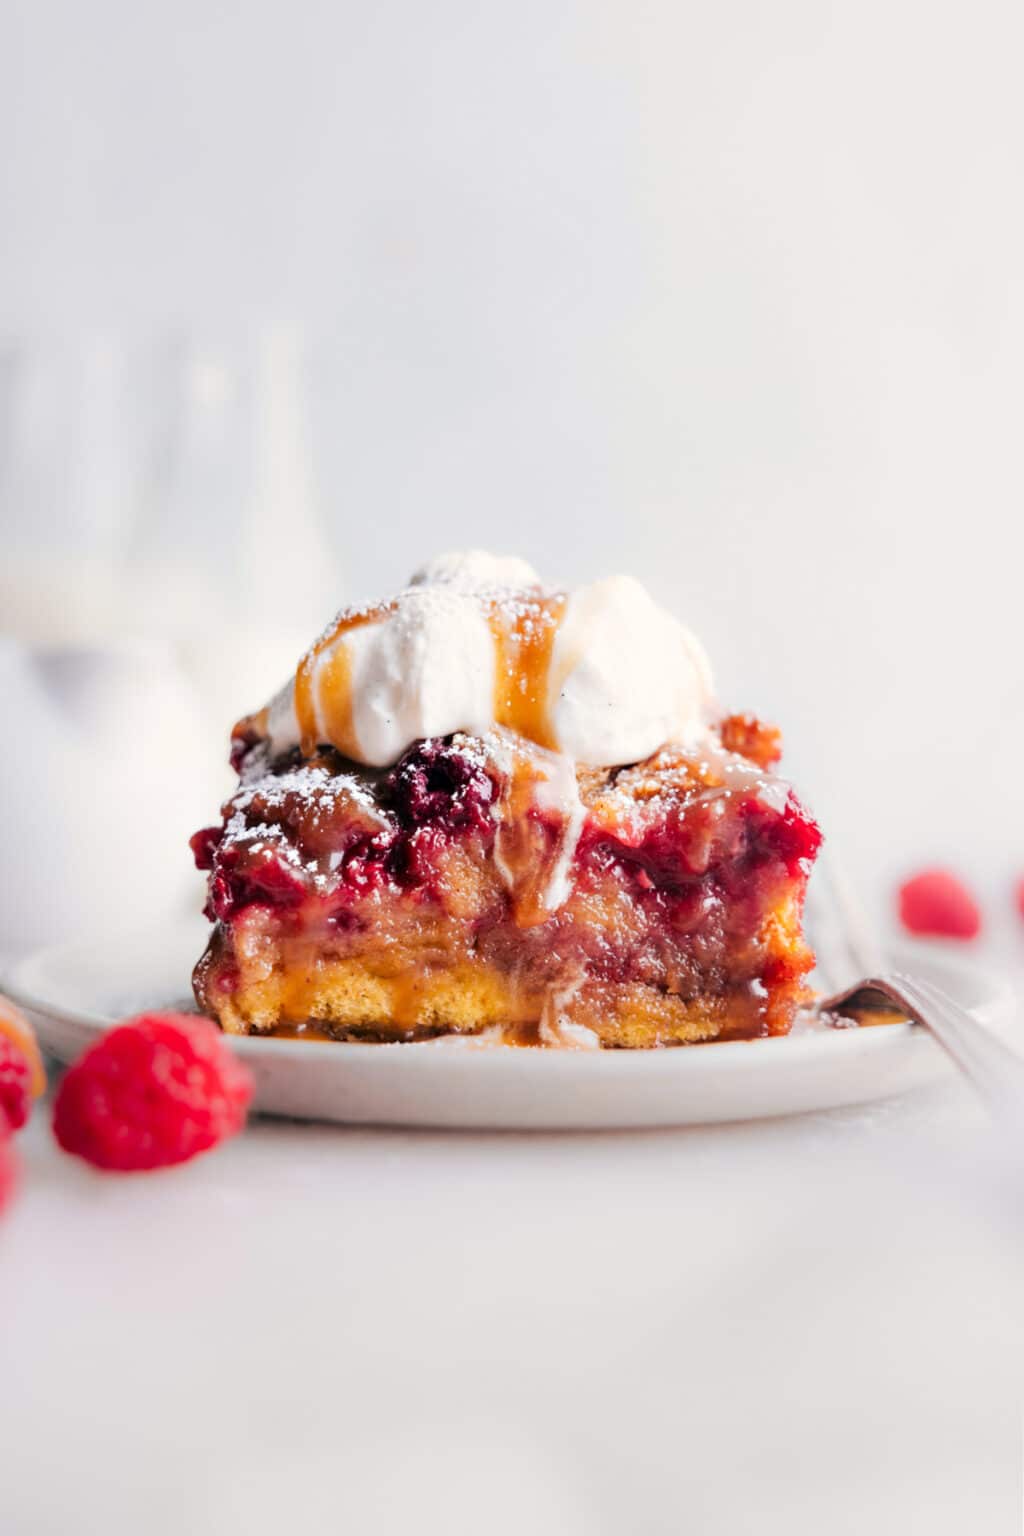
<point x="700" y="770"/>
<point x="257" y="818"/>
<point x="603" y="674"/>
<point x="311" y="781"/>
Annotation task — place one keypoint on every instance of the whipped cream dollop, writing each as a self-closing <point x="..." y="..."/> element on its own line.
<point x="475" y="642"/>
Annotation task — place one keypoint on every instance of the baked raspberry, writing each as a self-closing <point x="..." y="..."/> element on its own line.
<point x="154" y="1091"/>
<point x="248" y="875"/>
<point x="937" y="902"/>
<point x="204" y="845"/>
<point x="15" y="1084"/>
<point x="436" y="783"/>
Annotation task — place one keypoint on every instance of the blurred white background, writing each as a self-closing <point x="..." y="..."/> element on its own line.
<point x="729" y="297"/>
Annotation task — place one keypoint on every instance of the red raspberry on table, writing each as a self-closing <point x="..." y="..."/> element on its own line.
<point x="936" y="902"/>
<point x="15" y="1084"/>
<point x="153" y="1091"/>
<point x="8" y="1169"/>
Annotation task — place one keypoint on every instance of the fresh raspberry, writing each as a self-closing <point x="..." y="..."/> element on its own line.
<point x="15" y="1084"/>
<point x="19" y="1031"/>
<point x="1020" y="896"/>
<point x="153" y="1091"/>
<point x="936" y="902"/>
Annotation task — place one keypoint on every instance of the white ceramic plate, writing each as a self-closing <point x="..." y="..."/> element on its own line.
<point x="72" y="993"/>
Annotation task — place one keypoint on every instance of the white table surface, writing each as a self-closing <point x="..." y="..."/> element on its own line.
<point x="801" y="1325"/>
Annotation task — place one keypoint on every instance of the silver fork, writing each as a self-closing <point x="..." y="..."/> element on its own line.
<point x="847" y="947"/>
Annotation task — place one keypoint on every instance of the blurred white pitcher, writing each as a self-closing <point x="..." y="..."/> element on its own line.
<point x="101" y="786"/>
<point x="164" y="568"/>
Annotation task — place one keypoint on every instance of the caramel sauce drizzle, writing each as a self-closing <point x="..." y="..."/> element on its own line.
<point x="521" y="847"/>
<point x="329" y="683"/>
<point x="407" y="996"/>
<point x="524" y="638"/>
<point x="523" y="631"/>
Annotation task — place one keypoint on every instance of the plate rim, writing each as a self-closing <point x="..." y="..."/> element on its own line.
<point x="993" y="1009"/>
<point x="457" y="1085"/>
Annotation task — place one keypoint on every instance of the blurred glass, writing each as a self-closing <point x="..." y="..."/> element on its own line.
<point x="164" y="569"/>
<point x="64" y="486"/>
<point x="228" y="560"/>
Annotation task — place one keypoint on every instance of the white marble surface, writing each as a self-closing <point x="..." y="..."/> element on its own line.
<point x="803" y="1325"/>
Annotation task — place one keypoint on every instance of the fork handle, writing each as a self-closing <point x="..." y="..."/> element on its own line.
<point x="995" y="1070"/>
